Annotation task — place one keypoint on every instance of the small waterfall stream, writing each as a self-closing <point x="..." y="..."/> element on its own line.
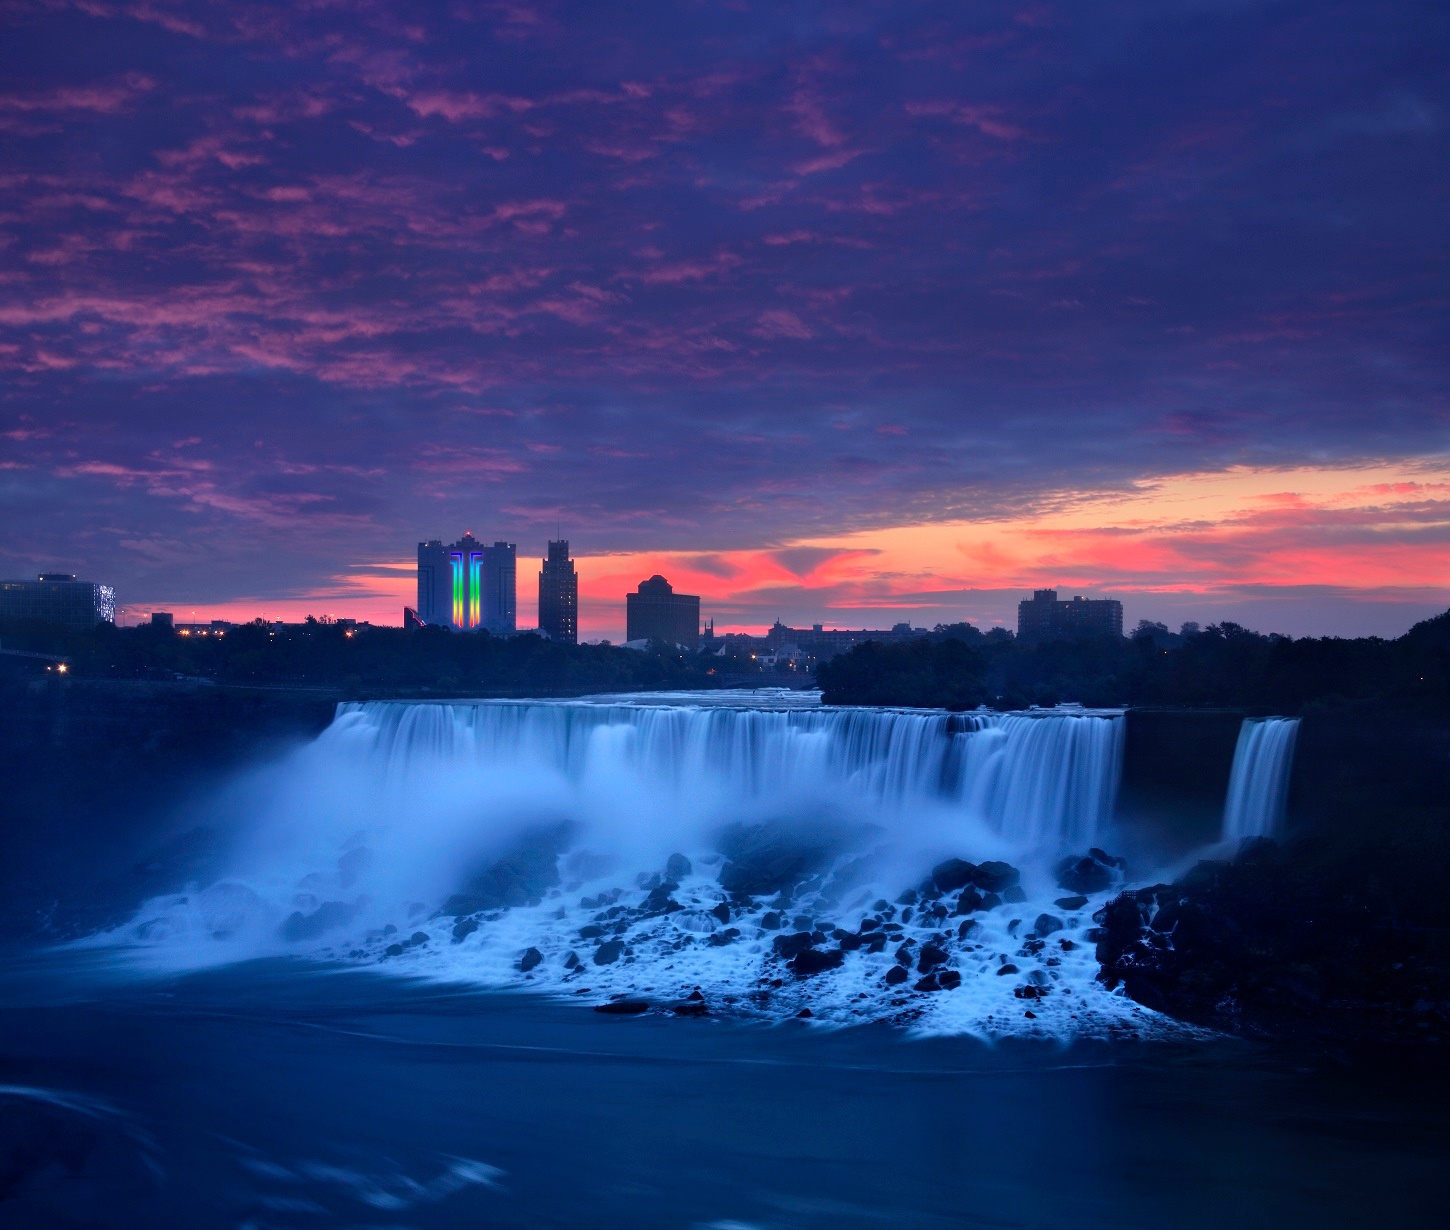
<point x="1258" y="787"/>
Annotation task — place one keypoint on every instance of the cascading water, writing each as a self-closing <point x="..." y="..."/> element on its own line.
<point x="1258" y="787"/>
<point x="657" y="845"/>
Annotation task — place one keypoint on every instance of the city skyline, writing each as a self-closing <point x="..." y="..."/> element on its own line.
<point x="849" y="314"/>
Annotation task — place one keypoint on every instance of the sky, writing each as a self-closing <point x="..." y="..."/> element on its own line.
<point x="843" y="313"/>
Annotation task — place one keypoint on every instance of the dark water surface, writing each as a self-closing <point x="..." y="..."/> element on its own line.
<point x="278" y="1095"/>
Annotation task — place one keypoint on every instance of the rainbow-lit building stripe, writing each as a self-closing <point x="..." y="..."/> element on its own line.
<point x="467" y="588"/>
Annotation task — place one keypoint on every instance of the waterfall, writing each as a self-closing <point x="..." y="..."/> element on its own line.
<point x="660" y="841"/>
<point x="1258" y="787"/>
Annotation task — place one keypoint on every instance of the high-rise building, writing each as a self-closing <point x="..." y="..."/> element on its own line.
<point x="656" y="613"/>
<point x="1043" y="618"/>
<point x="559" y="595"/>
<point x="466" y="585"/>
<point x="58" y="598"/>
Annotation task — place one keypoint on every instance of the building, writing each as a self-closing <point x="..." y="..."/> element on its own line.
<point x="467" y="585"/>
<point x="559" y="595"/>
<point x="820" y="644"/>
<point x="656" y="613"/>
<point x="58" y="598"/>
<point x="1043" y="618"/>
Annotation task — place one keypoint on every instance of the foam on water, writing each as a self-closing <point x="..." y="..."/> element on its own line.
<point x="491" y="828"/>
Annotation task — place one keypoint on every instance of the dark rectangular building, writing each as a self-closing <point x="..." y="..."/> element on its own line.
<point x="58" y="598"/>
<point x="559" y="595"/>
<point x="656" y="613"/>
<point x="1043" y="618"/>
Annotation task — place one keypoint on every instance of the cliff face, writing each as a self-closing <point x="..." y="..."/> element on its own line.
<point x="91" y="772"/>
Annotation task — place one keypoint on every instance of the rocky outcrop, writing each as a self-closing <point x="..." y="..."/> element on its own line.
<point x="1284" y="944"/>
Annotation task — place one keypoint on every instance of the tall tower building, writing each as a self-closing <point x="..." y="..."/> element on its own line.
<point x="559" y="595"/>
<point x="466" y="585"/>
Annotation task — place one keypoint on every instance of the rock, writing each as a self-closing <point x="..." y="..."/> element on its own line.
<point x="931" y="956"/>
<point x="953" y="874"/>
<point x="788" y="946"/>
<point x="1090" y="873"/>
<point x="929" y="983"/>
<point x="1013" y="925"/>
<point x="722" y="912"/>
<point x="690" y="1008"/>
<point x="847" y="941"/>
<point x="1046" y="924"/>
<point x="805" y="1014"/>
<point x="802" y="922"/>
<point x="531" y="957"/>
<point x="896" y="975"/>
<point x="608" y="952"/>
<point x="393" y="950"/>
<point x="906" y="915"/>
<point x="1070" y="903"/>
<point x="907" y="898"/>
<point x="1026" y="992"/>
<point x="967" y="928"/>
<point x="770" y="921"/>
<point x="1122" y="923"/>
<point x="991" y="901"/>
<point x="1009" y="968"/>
<point x="768" y="858"/>
<point x="418" y="937"/>
<point x="659" y="901"/>
<point x="969" y="902"/>
<point x="623" y="1007"/>
<point x="903" y="955"/>
<point x="463" y="929"/>
<point x="521" y="877"/>
<point x="572" y="961"/>
<point x="948" y="979"/>
<point x="722" y="938"/>
<point x="591" y="932"/>
<point x="677" y="867"/>
<point x="876" y="942"/>
<point x="870" y="924"/>
<point x="1014" y="895"/>
<point x="327" y="916"/>
<point x="813" y="961"/>
<point x="994" y="876"/>
<point x="1121" y="864"/>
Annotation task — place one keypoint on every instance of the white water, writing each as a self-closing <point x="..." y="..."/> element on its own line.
<point x="361" y="838"/>
<point x="1258" y="787"/>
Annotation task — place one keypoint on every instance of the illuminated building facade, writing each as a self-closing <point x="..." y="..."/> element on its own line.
<point x="656" y="613"/>
<point x="559" y="595"/>
<point x="467" y="585"/>
<point x="58" y="598"/>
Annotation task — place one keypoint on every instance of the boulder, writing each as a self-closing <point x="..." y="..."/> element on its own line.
<point x="530" y="958"/>
<point x="1094" y="872"/>
<point x="1046" y="924"/>
<point x="463" y="929"/>
<point x="948" y="979"/>
<point x="896" y="975"/>
<point x="814" y="961"/>
<point x="953" y="874"/>
<point x="572" y="961"/>
<point x="722" y="912"/>
<point x="931" y="956"/>
<point x="969" y="902"/>
<point x="994" y="876"/>
<point x="991" y="901"/>
<point x="1014" y="895"/>
<point x="929" y="983"/>
<point x="769" y="858"/>
<point x="659" y="901"/>
<point x="1009" y="968"/>
<point x="677" y="867"/>
<point x="789" y="946"/>
<point x="520" y="877"/>
<point x="770" y="921"/>
<point x="722" y="938"/>
<point x="907" y="898"/>
<point x="623" y="1007"/>
<point x="608" y="952"/>
<point x="1070" y="903"/>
